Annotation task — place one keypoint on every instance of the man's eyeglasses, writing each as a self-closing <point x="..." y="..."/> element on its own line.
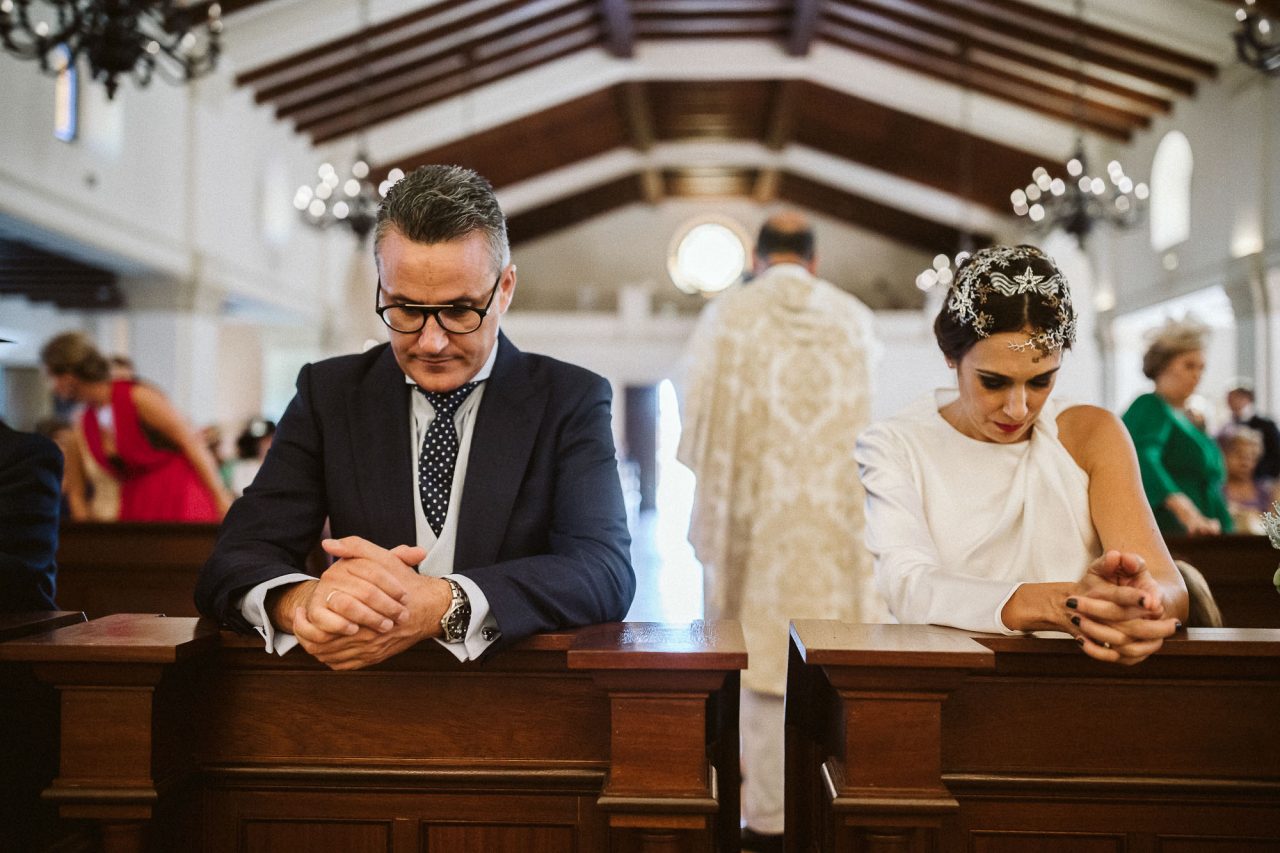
<point x="408" y="318"/>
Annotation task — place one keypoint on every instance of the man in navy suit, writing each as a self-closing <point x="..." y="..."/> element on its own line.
<point x="471" y="489"/>
<point x="30" y="485"/>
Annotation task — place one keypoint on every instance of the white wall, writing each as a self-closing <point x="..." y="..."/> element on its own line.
<point x="186" y="192"/>
<point x="1233" y="126"/>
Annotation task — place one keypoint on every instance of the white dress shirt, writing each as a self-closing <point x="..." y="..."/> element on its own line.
<point x="957" y="524"/>
<point x="482" y="630"/>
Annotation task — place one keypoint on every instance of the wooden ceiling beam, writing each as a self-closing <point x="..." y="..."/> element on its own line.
<point x="974" y="168"/>
<point x="804" y="25"/>
<point x="718" y="27"/>
<point x="582" y="128"/>
<point x="890" y="222"/>
<point x="971" y="46"/>
<point x="957" y="14"/>
<point x="412" y="96"/>
<point x="998" y="86"/>
<point x="420" y="67"/>
<point x="1101" y="35"/>
<point x="432" y="22"/>
<point x="700" y="8"/>
<point x="574" y="209"/>
<point x="639" y="117"/>
<point x="782" y="115"/>
<point x="893" y="223"/>
<point x="619" y="28"/>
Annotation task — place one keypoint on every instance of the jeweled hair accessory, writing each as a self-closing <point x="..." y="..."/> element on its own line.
<point x="1011" y="271"/>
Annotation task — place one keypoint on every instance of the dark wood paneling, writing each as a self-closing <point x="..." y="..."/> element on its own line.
<point x="549" y="746"/>
<point x="720" y="109"/>
<point x="710" y="181"/>
<point x="575" y="209"/>
<point x="916" y="737"/>
<point x="565" y="134"/>
<point x="911" y="147"/>
<point x="44" y="276"/>
<point x="1239" y="570"/>
<point x="889" y="222"/>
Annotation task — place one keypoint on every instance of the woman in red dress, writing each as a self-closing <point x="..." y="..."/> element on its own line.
<point x="165" y="471"/>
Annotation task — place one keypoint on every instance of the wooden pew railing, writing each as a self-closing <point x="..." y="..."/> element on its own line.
<point x="28" y="736"/>
<point x="137" y="567"/>
<point x="130" y="567"/>
<point x="619" y="737"/>
<point x="1239" y="569"/>
<point x="914" y="738"/>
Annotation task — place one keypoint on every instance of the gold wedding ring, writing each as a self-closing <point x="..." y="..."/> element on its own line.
<point x="331" y="594"/>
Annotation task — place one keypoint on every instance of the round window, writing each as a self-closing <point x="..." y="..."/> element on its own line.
<point x="707" y="255"/>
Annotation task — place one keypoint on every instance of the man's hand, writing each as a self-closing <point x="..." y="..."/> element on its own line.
<point x="369" y="605"/>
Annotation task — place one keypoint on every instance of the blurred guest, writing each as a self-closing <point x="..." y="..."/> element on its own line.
<point x="60" y="433"/>
<point x="251" y="448"/>
<point x="165" y="471"/>
<point x="122" y="368"/>
<point x="1182" y="468"/>
<point x="88" y="492"/>
<point x="1240" y="400"/>
<point x="1248" y="497"/>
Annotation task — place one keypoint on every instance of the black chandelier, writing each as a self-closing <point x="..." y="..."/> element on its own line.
<point x="352" y="202"/>
<point x="1258" y="39"/>
<point x="115" y="37"/>
<point x="1081" y="201"/>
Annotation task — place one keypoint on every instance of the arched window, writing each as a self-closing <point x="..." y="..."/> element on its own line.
<point x="1171" y="192"/>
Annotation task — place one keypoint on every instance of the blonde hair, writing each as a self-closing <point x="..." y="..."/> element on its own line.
<point x="1170" y="341"/>
<point x="74" y="353"/>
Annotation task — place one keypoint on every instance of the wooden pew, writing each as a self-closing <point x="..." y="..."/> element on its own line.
<point x="913" y="738"/>
<point x="1239" y="569"/>
<point x="136" y="567"/>
<point x="619" y="737"/>
<point x="131" y="567"/>
<point x="28" y="736"/>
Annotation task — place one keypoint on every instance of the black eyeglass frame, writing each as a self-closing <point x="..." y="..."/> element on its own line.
<point x="425" y="311"/>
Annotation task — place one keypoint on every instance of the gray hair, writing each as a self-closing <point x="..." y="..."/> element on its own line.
<point x="1170" y="341"/>
<point x="435" y="204"/>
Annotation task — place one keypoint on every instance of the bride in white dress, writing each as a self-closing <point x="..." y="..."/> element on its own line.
<point x="991" y="507"/>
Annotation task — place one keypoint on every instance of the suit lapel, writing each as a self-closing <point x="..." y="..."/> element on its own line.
<point x="501" y="445"/>
<point x="383" y="464"/>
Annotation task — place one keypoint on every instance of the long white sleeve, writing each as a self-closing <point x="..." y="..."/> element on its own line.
<point x="909" y="569"/>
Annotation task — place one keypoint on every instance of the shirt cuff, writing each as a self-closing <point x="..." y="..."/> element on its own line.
<point x="253" y="607"/>
<point x="482" y="632"/>
<point x="1004" y="629"/>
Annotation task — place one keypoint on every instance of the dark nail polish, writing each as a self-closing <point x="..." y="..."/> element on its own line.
<point x="1075" y="620"/>
<point x="1179" y="627"/>
<point x="1079" y="641"/>
<point x="1071" y="602"/>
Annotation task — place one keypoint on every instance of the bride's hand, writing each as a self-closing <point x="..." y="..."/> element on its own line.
<point x="1117" y="611"/>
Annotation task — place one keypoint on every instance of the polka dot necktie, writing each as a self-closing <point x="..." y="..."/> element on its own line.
<point x="440" y="454"/>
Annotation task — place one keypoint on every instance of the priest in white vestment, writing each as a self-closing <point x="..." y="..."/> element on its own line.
<point x="777" y="391"/>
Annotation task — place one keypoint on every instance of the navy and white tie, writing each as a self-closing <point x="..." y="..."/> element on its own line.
<point x="439" y="454"/>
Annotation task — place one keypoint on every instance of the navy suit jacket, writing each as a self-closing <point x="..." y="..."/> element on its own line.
<point x="541" y="528"/>
<point x="30" y="486"/>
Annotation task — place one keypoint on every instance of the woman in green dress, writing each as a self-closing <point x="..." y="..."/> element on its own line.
<point x="1182" y="468"/>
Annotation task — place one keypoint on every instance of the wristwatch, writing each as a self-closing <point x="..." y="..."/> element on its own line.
<point x="456" y="619"/>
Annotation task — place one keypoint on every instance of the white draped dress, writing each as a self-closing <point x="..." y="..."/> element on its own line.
<point x="956" y="524"/>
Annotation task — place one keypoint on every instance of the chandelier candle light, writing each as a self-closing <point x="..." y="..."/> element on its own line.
<point x="353" y="202"/>
<point x="1081" y="201"/>
<point x="115" y="38"/>
<point x="1258" y="39"/>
